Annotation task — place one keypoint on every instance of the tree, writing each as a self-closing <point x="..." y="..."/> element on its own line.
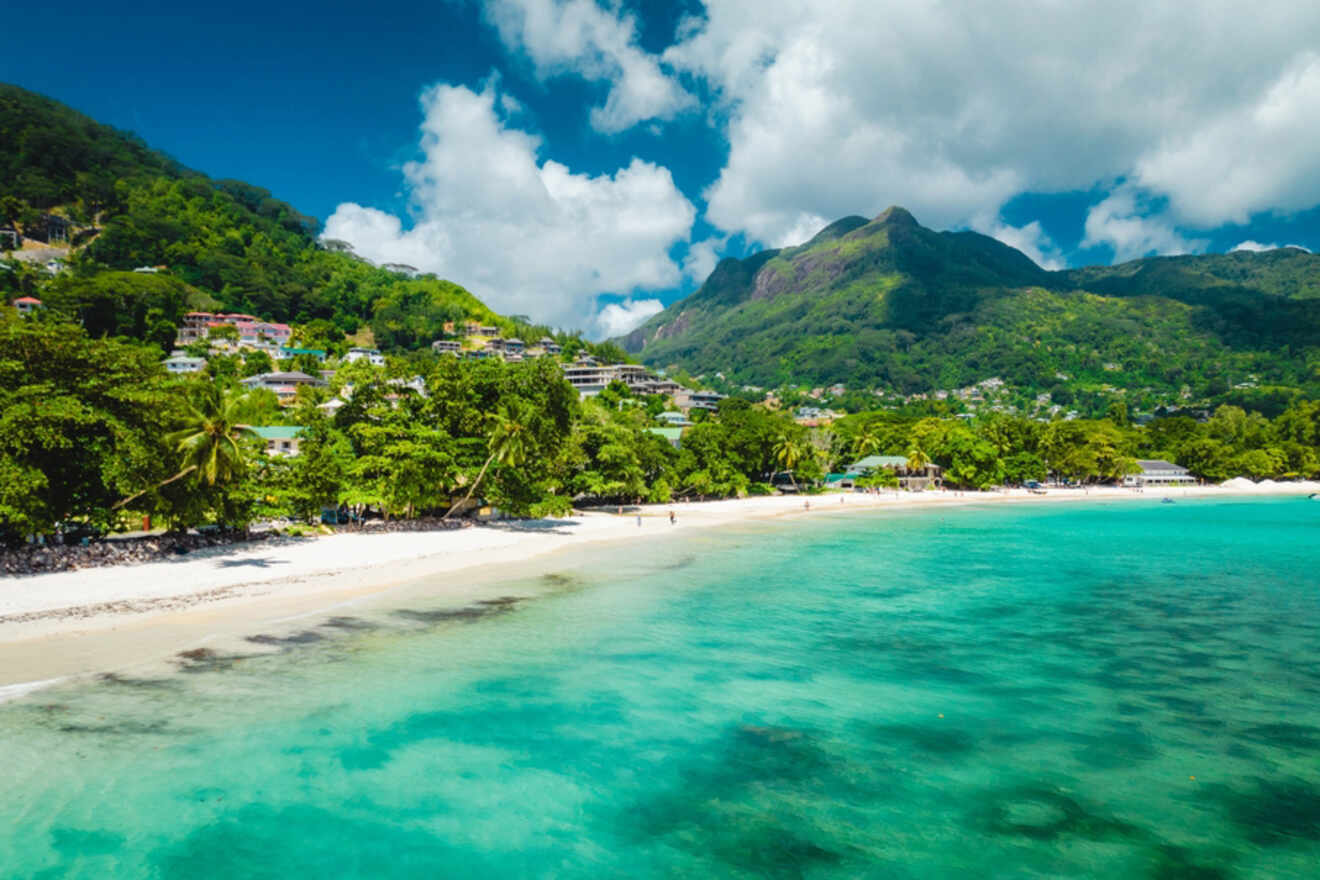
<point x="507" y="443"/>
<point x="209" y="442"/>
<point x="788" y="452"/>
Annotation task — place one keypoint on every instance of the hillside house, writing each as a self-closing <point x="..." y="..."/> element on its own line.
<point x="370" y="355"/>
<point x="284" y="385"/>
<point x="446" y="346"/>
<point x="26" y="305"/>
<point x="280" y="440"/>
<point x="182" y="363"/>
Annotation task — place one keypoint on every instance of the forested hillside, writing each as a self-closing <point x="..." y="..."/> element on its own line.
<point x="894" y="306"/>
<point x="226" y="244"/>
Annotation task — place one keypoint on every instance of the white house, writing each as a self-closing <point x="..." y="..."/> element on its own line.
<point x="181" y="363"/>
<point x="1157" y="472"/>
<point x="370" y="355"/>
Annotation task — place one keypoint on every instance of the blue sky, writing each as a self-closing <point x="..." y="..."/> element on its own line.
<point x="584" y="162"/>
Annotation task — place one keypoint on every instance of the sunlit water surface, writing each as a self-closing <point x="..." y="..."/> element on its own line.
<point x="1125" y="690"/>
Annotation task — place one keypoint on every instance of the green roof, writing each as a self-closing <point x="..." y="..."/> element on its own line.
<point x="871" y="462"/>
<point x="670" y="434"/>
<point x="278" y="432"/>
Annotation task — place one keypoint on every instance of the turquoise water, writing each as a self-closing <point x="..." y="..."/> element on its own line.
<point x="1057" y="691"/>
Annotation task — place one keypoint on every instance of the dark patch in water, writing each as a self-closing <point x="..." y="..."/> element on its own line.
<point x="465" y="614"/>
<point x="1176" y="863"/>
<point x="79" y="842"/>
<point x="206" y="660"/>
<point x="1291" y="736"/>
<point x="143" y="683"/>
<point x="561" y="580"/>
<point x="121" y="728"/>
<point x="353" y="624"/>
<point x="940" y="741"/>
<point x="1042" y="813"/>
<point x="501" y="602"/>
<point x="306" y="637"/>
<point x="1275" y="812"/>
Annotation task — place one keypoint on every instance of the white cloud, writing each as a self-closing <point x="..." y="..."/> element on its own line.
<point x="527" y="236"/>
<point x="1256" y="247"/>
<point x="952" y="109"/>
<point x="617" y="319"/>
<point x="1125" y="222"/>
<point x="1256" y="156"/>
<point x="579" y="37"/>
<point x="1031" y="239"/>
<point x="702" y="257"/>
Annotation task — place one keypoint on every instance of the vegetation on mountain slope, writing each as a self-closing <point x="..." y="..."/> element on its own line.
<point x="893" y="306"/>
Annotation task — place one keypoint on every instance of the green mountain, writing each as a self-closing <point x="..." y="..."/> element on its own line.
<point x="224" y="244"/>
<point x="891" y="305"/>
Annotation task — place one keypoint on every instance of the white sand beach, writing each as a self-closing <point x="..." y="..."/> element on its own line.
<point x="76" y="623"/>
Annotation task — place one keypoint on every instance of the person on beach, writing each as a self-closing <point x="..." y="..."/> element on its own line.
<point x="672" y="519"/>
<point x="639" y="520"/>
<point x="806" y="505"/>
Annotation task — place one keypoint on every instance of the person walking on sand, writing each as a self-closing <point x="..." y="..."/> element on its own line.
<point x="639" y="520"/>
<point x="806" y="505"/>
<point x="672" y="519"/>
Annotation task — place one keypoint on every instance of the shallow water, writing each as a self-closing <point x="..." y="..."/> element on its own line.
<point x="1056" y="691"/>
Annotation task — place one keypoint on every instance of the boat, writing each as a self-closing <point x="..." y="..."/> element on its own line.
<point x="1166" y="501"/>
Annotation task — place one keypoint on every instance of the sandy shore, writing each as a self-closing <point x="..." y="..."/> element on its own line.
<point x="63" y="624"/>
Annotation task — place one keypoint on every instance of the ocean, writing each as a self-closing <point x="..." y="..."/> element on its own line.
<point x="1124" y="689"/>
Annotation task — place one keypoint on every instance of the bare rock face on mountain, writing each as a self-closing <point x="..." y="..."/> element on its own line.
<point x="890" y="304"/>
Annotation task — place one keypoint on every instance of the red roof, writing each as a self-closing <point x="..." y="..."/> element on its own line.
<point x="27" y="299"/>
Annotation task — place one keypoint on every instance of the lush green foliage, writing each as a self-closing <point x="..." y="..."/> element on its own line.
<point x="890" y="305"/>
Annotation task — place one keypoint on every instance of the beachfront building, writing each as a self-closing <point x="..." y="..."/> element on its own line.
<point x="1157" y="472"/>
<point x="914" y="479"/>
<point x="26" y="305"/>
<point x="284" y="385"/>
<point x="182" y="363"/>
<point x="280" y="440"/>
<point x="370" y="355"/>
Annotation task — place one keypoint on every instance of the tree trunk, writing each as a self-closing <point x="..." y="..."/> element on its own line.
<point x="183" y="473"/>
<point x="471" y="490"/>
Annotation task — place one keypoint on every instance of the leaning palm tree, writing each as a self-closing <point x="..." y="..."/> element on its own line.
<point x="208" y="441"/>
<point x="508" y="444"/>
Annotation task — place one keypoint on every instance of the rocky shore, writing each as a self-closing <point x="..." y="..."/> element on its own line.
<point x="42" y="559"/>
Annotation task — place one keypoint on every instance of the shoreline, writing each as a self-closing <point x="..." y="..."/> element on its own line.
<point x="74" y="624"/>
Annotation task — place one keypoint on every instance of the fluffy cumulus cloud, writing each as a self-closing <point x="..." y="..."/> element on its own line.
<point x="951" y="109"/>
<point x="529" y="236"/>
<point x="1125" y="223"/>
<point x="615" y="319"/>
<point x="579" y="37"/>
<point x="702" y="256"/>
<point x="1031" y="239"/>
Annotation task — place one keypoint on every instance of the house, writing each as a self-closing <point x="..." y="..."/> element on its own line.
<point x="284" y="385"/>
<point x="370" y="355"/>
<point x="26" y="305"/>
<point x="688" y="399"/>
<point x="54" y="266"/>
<point x="252" y="331"/>
<point x="1157" y="472"/>
<point x="446" y="346"/>
<point x="10" y="239"/>
<point x="318" y="353"/>
<point x="181" y="363"/>
<point x="908" y="478"/>
<point x="673" y="435"/>
<point x="674" y="419"/>
<point x="549" y="346"/>
<point x="280" y="440"/>
<point x="513" y="347"/>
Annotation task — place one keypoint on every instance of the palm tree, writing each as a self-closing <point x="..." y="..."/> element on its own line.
<point x="917" y="459"/>
<point x="208" y="441"/>
<point x="788" y="452"/>
<point x="508" y="443"/>
<point x="866" y="442"/>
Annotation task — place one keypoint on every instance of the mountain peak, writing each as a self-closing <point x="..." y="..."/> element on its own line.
<point x="896" y="216"/>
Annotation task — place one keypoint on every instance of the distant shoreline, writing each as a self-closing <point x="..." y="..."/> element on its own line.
<point x="78" y="623"/>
